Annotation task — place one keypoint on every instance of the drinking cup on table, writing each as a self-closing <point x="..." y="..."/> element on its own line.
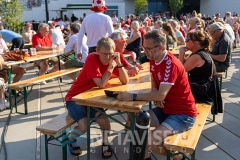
<point x="33" y="51"/>
<point x="15" y="49"/>
<point x="170" y="47"/>
<point x="25" y="52"/>
<point x="54" y="47"/>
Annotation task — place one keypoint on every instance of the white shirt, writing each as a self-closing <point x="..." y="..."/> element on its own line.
<point x="115" y="20"/>
<point x="3" y="46"/>
<point x="72" y="45"/>
<point x="96" y="26"/>
<point x="61" y="23"/>
<point x="230" y="31"/>
<point x="56" y="35"/>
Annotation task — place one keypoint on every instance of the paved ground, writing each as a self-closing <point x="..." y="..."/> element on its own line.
<point x="219" y="140"/>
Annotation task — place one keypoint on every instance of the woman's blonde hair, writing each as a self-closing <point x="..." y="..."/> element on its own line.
<point x="135" y="24"/>
<point x="202" y="37"/>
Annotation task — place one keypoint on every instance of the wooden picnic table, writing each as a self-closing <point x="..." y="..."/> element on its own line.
<point x="40" y="55"/>
<point x="96" y="97"/>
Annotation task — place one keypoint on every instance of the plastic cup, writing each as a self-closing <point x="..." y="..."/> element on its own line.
<point x="54" y="47"/>
<point x="170" y="47"/>
<point x="33" y="51"/>
<point x="25" y="52"/>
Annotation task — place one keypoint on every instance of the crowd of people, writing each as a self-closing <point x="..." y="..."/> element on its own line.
<point x="99" y="42"/>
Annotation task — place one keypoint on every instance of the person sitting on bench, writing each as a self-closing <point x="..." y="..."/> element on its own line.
<point x="200" y="67"/>
<point x="72" y="47"/>
<point x="175" y="105"/>
<point x="98" y="69"/>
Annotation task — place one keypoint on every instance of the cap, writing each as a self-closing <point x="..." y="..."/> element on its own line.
<point x="53" y="23"/>
<point x="28" y="24"/>
<point x="215" y="26"/>
<point x="98" y="5"/>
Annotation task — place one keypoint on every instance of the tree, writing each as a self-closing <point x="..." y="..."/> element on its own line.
<point x="175" y="5"/>
<point x="12" y="13"/>
<point x="140" y="6"/>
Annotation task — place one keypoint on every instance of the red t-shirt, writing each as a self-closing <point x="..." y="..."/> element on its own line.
<point x="93" y="68"/>
<point x="143" y="32"/>
<point x="148" y="21"/>
<point x="37" y="39"/>
<point x="128" y="22"/>
<point x="179" y="99"/>
<point x="182" y="31"/>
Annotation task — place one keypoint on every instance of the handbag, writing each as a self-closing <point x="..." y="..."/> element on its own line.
<point x="201" y="88"/>
<point x="13" y="55"/>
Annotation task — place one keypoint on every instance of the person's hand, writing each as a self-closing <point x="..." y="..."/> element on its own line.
<point x="124" y="96"/>
<point x="182" y="51"/>
<point x="112" y="64"/>
<point x="159" y="104"/>
<point x="116" y="58"/>
<point x="139" y="66"/>
<point x="134" y="71"/>
<point x="57" y="47"/>
<point x="79" y="56"/>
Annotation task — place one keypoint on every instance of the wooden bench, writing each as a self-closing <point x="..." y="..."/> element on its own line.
<point x="186" y="142"/>
<point x="55" y="129"/>
<point x="36" y="80"/>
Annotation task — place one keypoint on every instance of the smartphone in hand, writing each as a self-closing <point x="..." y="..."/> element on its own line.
<point x="110" y="93"/>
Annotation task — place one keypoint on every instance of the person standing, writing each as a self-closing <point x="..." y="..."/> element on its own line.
<point x="96" y="26"/>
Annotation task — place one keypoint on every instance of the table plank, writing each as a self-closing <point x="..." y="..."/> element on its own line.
<point x="96" y="97"/>
<point x="40" y="55"/>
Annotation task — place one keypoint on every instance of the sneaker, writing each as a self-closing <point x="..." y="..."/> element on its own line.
<point x="43" y="83"/>
<point x="7" y="104"/>
<point x="2" y="107"/>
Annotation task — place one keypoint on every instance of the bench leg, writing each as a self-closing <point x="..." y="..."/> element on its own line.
<point x="15" y="99"/>
<point x="220" y="86"/>
<point x="25" y="100"/>
<point x="88" y="133"/>
<point x="150" y="105"/>
<point x="64" y="148"/>
<point x="132" y="125"/>
<point x="46" y="146"/>
<point x="193" y="156"/>
<point x="213" y="118"/>
<point x="168" y="154"/>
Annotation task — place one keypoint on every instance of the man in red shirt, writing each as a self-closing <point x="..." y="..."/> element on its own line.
<point x="42" y="41"/>
<point x="120" y="44"/>
<point x="175" y="105"/>
<point x="98" y="69"/>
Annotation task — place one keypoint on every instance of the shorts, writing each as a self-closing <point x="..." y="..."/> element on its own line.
<point x="77" y="112"/>
<point x="73" y="63"/>
<point x="174" y="122"/>
<point x="53" y="61"/>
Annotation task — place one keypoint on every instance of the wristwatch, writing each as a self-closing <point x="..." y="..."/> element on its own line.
<point x="120" y="66"/>
<point x="134" y="96"/>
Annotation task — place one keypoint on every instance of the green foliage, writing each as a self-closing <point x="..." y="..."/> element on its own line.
<point x="175" y="5"/>
<point x="12" y="13"/>
<point x="140" y="6"/>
